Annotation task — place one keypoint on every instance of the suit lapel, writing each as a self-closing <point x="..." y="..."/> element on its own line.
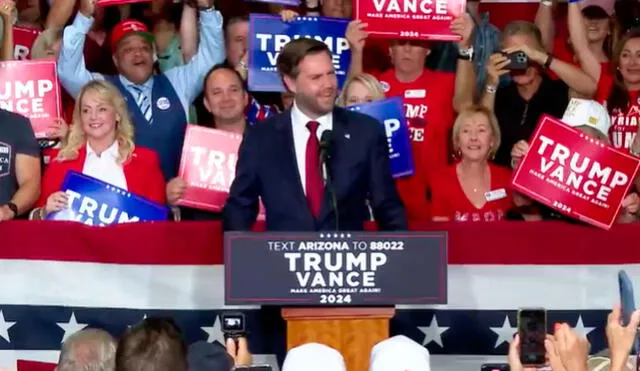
<point x="287" y="154"/>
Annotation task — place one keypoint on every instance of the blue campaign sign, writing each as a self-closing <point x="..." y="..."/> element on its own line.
<point x="335" y="269"/>
<point x="269" y="34"/>
<point x="94" y="202"/>
<point x="390" y="113"/>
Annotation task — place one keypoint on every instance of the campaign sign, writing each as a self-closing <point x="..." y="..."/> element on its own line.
<point x="269" y="34"/>
<point x="94" y="202"/>
<point x="409" y="19"/>
<point x="23" y="39"/>
<point x="575" y="174"/>
<point x="208" y="166"/>
<point x="119" y="2"/>
<point x="31" y="89"/>
<point x="341" y="268"/>
<point x="390" y="113"/>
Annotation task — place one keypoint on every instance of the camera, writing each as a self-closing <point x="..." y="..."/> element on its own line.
<point x="233" y="325"/>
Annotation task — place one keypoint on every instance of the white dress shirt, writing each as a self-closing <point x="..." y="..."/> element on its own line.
<point x="301" y="135"/>
<point x="105" y="166"/>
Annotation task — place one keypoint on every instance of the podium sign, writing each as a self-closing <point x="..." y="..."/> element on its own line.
<point x="335" y="269"/>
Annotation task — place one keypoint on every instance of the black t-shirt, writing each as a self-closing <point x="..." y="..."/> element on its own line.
<point x="518" y="118"/>
<point x="16" y="137"/>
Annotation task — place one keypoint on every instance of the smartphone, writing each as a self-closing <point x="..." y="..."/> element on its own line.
<point x="253" y="368"/>
<point x="233" y="324"/>
<point x="532" y="329"/>
<point x="627" y="302"/>
<point x="519" y="61"/>
<point x="495" y="367"/>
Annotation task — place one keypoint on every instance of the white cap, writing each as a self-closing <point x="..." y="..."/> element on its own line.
<point x="585" y="112"/>
<point x="399" y="353"/>
<point x="313" y="357"/>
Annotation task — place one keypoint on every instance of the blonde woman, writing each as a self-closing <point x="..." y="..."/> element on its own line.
<point x="473" y="190"/>
<point x="360" y="89"/>
<point x="100" y="144"/>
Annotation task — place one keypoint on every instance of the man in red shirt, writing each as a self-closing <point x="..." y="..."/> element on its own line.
<point x="429" y="107"/>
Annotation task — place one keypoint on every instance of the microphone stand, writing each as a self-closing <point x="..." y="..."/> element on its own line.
<point x="325" y="161"/>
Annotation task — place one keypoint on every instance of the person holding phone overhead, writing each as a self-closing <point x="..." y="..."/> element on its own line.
<point x="531" y="93"/>
<point x="100" y="145"/>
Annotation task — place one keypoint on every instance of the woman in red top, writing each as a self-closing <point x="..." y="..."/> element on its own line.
<point x="617" y="90"/>
<point x="473" y="190"/>
<point x="100" y="144"/>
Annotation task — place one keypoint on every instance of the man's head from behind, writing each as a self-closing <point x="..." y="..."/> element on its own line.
<point x="307" y="71"/>
<point x="88" y="349"/>
<point x="155" y="344"/>
<point x="132" y="47"/>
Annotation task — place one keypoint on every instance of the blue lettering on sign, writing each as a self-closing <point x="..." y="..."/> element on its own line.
<point x="271" y="34"/>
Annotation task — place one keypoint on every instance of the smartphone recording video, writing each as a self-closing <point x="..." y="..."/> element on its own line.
<point x="518" y="61"/>
<point x="532" y="329"/>
<point x="233" y="325"/>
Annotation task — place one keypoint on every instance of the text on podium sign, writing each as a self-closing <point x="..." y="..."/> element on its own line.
<point x="344" y="268"/>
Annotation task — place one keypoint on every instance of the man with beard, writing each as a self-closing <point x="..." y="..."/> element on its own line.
<point x="159" y="103"/>
<point x="315" y="165"/>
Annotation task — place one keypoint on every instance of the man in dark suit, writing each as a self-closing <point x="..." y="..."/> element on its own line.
<point x="280" y="159"/>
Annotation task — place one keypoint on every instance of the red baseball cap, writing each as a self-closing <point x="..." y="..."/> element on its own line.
<point x="126" y="28"/>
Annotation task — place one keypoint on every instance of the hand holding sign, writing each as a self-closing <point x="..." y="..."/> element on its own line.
<point x="519" y="149"/>
<point x="87" y="7"/>
<point x="463" y="26"/>
<point x="176" y="189"/>
<point x="356" y="35"/>
<point x="56" y="202"/>
<point x="8" y="11"/>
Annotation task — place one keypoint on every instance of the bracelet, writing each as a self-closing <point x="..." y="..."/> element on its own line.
<point x="548" y="3"/>
<point x="491" y="89"/>
<point x="547" y="63"/>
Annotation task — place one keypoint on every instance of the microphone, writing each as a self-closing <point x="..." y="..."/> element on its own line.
<point x="325" y="155"/>
<point x="326" y="140"/>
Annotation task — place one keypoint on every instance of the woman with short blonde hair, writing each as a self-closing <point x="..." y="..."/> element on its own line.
<point x="360" y="89"/>
<point x="474" y="189"/>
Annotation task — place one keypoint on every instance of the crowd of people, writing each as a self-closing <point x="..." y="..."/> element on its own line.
<point x="134" y="75"/>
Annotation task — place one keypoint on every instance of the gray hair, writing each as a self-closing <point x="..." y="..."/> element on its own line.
<point x="88" y="350"/>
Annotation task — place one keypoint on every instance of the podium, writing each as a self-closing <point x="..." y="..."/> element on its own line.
<point x="351" y="331"/>
<point x="337" y="289"/>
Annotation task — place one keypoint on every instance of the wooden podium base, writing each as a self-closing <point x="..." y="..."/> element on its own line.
<point x="351" y="331"/>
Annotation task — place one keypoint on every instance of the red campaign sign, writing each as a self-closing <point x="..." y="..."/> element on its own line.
<point x="410" y="19"/>
<point x="575" y="174"/>
<point x="208" y="165"/>
<point x="23" y="39"/>
<point x="31" y="88"/>
<point x="119" y="2"/>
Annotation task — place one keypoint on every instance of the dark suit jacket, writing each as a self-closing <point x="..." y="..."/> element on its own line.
<point x="267" y="168"/>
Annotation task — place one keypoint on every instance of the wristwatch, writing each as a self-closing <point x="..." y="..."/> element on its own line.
<point x="13" y="207"/>
<point x="465" y="53"/>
